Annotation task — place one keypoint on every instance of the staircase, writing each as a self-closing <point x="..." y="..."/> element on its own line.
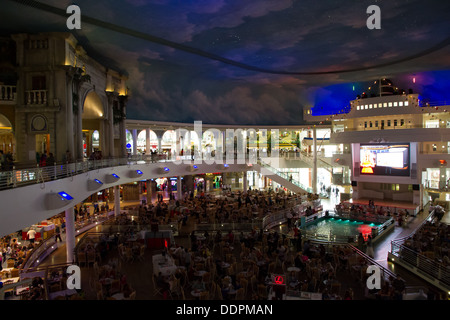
<point x="320" y="163"/>
<point x="282" y="178"/>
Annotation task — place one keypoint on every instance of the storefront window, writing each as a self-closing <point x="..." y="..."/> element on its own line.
<point x="433" y="178"/>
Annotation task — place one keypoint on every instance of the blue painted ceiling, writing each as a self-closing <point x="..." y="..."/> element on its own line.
<point x="253" y="61"/>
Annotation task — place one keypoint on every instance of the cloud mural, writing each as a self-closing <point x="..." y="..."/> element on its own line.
<point x="284" y="54"/>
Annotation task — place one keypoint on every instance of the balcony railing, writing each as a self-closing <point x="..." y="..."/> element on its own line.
<point x="7" y="93"/>
<point x="424" y="264"/>
<point x="22" y="177"/>
<point x="36" y="97"/>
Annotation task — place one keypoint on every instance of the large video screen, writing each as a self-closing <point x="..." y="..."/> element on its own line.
<point x="385" y="159"/>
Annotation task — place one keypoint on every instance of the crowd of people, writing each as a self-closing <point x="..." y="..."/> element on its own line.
<point x="433" y="241"/>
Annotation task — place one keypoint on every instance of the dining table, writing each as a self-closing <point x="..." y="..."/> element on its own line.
<point x="164" y="264"/>
<point x="196" y="293"/>
<point x="118" y="296"/>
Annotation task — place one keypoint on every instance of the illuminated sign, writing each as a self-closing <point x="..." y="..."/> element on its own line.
<point x="367" y="170"/>
<point x="278" y="279"/>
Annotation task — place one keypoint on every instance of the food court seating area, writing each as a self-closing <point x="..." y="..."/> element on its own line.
<point x="432" y="241"/>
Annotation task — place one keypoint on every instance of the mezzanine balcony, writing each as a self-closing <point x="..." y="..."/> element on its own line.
<point x="36" y="97"/>
<point x="7" y="94"/>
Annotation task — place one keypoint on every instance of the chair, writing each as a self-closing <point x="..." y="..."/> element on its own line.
<point x="141" y="253"/>
<point x="219" y="295"/>
<point x="271" y="267"/>
<point x="157" y="290"/>
<point x="240" y="294"/>
<point x="336" y="288"/>
<point x="10" y="263"/>
<point x="55" y="287"/>
<point x="206" y="278"/>
<point x="81" y="258"/>
<point x="99" y="295"/>
<point x="244" y="284"/>
<point x="91" y="257"/>
<point x="132" y="296"/>
<point x="254" y="284"/>
<point x="204" y="295"/>
<point x="262" y="292"/>
<point x="115" y="286"/>
<point x="212" y="290"/>
<point x="129" y="255"/>
<point x="14" y="273"/>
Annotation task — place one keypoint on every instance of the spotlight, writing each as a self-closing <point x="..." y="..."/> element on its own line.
<point x="94" y="184"/>
<point x="111" y="178"/>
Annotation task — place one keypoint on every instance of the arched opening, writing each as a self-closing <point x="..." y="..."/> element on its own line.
<point x="92" y="126"/>
<point x="7" y="139"/>
<point x="209" y="145"/>
<point x="142" y="142"/>
<point x="168" y="142"/>
<point x="129" y="141"/>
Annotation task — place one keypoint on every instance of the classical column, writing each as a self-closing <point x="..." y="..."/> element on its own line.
<point x="244" y="180"/>
<point x="159" y="144"/>
<point x="116" y="201"/>
<point x="314" y="172"/>
<point x="79" y="131"/>
<point x="70" y="235"/>
<point x="69" y="115"/>
<point x="179" y="189"/>
<point x="149" y="191"/>
<point x="134" y="135"/>
<point x="110" y="126"/>
<point x="147" y="141"/>
<point x="122" y="129"/>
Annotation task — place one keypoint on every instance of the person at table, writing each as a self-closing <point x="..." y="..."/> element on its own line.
<point x="206" y="235"/>
<point x="127" y="290"/>
<point x="298" y="262"/>
<point x="187" y="258"/>
<point x="230" y="237"/>
<point x="227" y="286"/>
<point x="307" y="249"/>
<point x="198" y="284"/>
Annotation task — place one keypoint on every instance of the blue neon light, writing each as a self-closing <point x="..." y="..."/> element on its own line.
<point x="139" y="171"/>
<point x="65" y="195"/>
<point x="195" y="167"/>
<point x="115" y="176"/>
<point x="166" y="169"/>
<point x="225" y="165"/>
<point x="98" y="181"/>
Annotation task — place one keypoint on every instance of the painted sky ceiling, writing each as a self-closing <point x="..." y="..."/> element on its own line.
<point x="253" y="61"/>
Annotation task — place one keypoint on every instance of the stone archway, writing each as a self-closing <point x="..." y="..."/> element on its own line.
<point x="7" y="138"/>
<point x="93" y="130"/>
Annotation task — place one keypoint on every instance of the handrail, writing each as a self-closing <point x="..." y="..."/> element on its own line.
<point x="387" y="272"/>
<point x="284" y="175"/>
<point x="423" y="263"/>
<point x="18" y="177"/>
<point x="426" y="265"/>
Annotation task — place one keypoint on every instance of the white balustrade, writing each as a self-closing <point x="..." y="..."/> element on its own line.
<point x="7" y="93"/>
<point x="36" y="97"/>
